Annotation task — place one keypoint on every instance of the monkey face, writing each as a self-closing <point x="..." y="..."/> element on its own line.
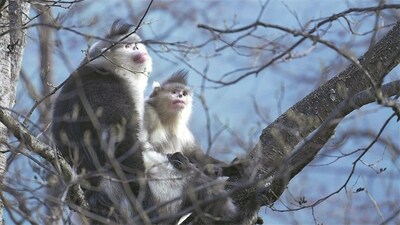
<point x="127" y="58"/>
<point x="136" y="52"/>
<point x="180" y="98"/>
<point x="132" y="57"/>
<point x="172" y="100"/>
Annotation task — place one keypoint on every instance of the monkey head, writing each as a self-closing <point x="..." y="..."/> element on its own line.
<point x="173" y="98"/>
<point x="124" y="55"/>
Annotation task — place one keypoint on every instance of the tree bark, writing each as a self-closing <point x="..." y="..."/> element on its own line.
<point x="12" y="44"/>
<point x="274" y="156"/>
<point x="46" y="59"/>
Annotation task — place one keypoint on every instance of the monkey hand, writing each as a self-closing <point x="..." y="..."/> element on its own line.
<point x="212" y="170"/>
<point x="179" y="161"/>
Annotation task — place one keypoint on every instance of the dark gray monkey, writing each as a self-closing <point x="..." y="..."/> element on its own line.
<point x="167" y="113"/>
<point x="97" y="121"/>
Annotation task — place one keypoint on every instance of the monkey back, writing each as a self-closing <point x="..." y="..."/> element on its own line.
<point x="95" y="123"/>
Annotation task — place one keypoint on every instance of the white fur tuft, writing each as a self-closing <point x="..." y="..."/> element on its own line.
<point x="153" y="159"/>
<point x="156" y="84"/>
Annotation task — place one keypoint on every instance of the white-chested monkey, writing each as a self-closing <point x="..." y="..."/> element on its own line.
<point x="97" y="119"/>
<point x="167" y="113"/>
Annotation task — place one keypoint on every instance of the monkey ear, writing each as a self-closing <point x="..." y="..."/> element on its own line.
<point x="156" y="84"/>
<point x="156" y="89"/>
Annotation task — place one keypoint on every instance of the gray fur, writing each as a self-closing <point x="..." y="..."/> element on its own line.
<point x="179" y="77"/>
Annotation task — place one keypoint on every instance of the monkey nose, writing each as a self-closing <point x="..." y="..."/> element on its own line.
<point x="140" y="57"/>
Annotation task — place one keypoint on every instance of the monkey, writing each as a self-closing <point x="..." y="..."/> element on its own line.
<point x="167" y="112"/>
<point x="178" y="185"/>
<point x="97" y="120"/>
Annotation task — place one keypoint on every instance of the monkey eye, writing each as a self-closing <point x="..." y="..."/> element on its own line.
<point x="132" y="45"/>
<point x="185" y="93"/>
<point x="173" y="92"/>
<point x="129" y="45"/>
<point x="177" y="164"/>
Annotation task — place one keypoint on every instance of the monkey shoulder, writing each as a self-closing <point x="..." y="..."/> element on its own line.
<point x="151" y="120"/>
<point x="90" y="93"/>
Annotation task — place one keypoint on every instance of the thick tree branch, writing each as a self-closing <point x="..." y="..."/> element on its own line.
<point x="275" y="151"/>
<point x="279" y="139"/>
<point x="307" y="150"/>
<point x="12" y="45"/>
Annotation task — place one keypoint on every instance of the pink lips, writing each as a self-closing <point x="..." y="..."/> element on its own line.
<point x="178" y="104"/>
<point x="140" y="57"/>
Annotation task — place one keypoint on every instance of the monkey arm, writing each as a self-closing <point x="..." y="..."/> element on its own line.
<point x="212" y="166"/>
<point x="203" y="188"/>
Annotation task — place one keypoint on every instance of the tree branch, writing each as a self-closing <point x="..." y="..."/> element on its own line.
<point x="307" y="150"/>
<point x="274" y="153"/>
<point x="45" y="151"/>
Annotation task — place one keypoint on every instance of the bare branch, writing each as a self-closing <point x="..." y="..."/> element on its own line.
<point x="305" y="36"/>
<point x="45" y="151"/>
